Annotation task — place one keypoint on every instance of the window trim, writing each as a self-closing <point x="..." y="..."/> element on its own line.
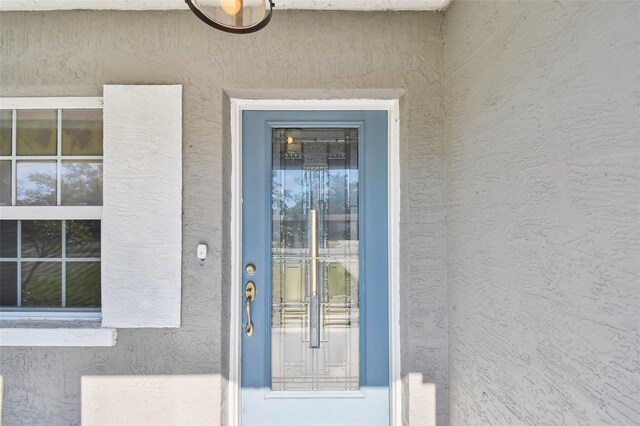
<point x="71" y="102"/>
<point x="62" y="314"/>
<point x="50" y="212"/>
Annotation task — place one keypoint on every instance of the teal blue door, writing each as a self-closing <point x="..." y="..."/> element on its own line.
<point x="315" y="335"/>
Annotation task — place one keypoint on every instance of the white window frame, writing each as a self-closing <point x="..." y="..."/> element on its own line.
<point x="49" y="212"/>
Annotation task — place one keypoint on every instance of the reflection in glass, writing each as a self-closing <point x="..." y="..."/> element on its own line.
<point x="82" y="132"/>
<point x="8" y="238"/>
<point x="36" y="132"/>
<point x="8" y="283"/>
<point x="83" y="284"/>
<point x="42" y="284"/>
<point x="36" y="183"/>
<point x="5" y="182"/>
<point x="315" y="169"/>
<point x="41" y="238"/>
<point x="83" y="238"/>
<point x="6" y="124"/>
<point x="42" y="261"/>
<point x="81" y="183"/>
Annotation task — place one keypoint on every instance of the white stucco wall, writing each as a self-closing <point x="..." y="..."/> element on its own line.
<point x="542" y="231"/>
<point x="150" y="400"/>
<point x="543" y="236"/>
<point x="75" y="53"/>
<point x="142" y="214"/>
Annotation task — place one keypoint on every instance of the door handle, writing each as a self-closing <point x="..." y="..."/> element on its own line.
<point x="314" y="302"/>
<point x="249" y="295"/>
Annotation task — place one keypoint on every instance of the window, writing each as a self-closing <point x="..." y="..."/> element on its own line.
<point x="50" y="208"/>
<point x="64" y="254"/>
<point x="118" y="261"/>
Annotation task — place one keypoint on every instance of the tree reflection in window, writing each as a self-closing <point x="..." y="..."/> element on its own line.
<point x="52" y="274"/>
<point x="81" y="183"/>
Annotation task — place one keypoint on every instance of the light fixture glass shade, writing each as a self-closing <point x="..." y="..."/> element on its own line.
<point x="235" y="16"/>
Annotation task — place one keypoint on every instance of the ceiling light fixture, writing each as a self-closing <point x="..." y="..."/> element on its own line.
<point x="233" y="16"/>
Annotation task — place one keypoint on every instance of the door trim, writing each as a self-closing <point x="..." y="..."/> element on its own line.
<point x="392" y="106"/>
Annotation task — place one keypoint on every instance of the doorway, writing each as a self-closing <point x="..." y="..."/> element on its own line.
<point x="314" y="304"/>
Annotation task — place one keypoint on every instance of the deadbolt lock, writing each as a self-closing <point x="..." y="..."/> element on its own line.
<point x="250" y="269"/>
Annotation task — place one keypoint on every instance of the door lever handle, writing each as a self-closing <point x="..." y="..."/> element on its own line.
<point x="249" y="295"/>
<point x="314" y="299"/>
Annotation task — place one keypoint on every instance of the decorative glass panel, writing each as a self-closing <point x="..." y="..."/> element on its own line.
<point x="81" y="183"/>
<point x="5" y="182"/>
<point x="36" y="132"/>
<point x="82" y="132"/>
<point x="83" y="238"/>
<point x="41" y="238"/>
<point x="315" y="256"/>
<point x="6" y="124"/>
<point x="83" y="284"/>
<point x="42" y="284"/>
<point x="36" y="183"/>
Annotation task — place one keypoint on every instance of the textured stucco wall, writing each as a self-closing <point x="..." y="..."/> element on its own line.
<point x="141" y="228"/>
<point x="543" y="235"/>
<point x="75" y="53"/>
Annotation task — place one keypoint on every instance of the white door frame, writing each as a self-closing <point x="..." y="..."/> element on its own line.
<point x="393" y="150"/>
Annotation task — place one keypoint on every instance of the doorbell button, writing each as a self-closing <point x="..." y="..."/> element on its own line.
<point x="202" y="252"/>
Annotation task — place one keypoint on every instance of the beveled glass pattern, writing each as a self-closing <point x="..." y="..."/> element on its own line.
<point x="315" y="169"/>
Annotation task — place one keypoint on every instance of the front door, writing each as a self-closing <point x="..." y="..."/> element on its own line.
<point x="315" y="331"/>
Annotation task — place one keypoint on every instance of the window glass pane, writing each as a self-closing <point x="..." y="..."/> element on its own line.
<point x="36" y="132"/>
<point x="8" y="283"/>
<point x="42" y="284"/>
<point x="83" y="238"/>
<point x="5" y="182"/>
<point x="41" y="238"/>
<point x="8" y="238"/>
<point x="36" y="183"/>
<point x="82" y="183"/>
<point x="5" y="131"/>
<point x="83" y="284"/>
<point x="82" y="132"/>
